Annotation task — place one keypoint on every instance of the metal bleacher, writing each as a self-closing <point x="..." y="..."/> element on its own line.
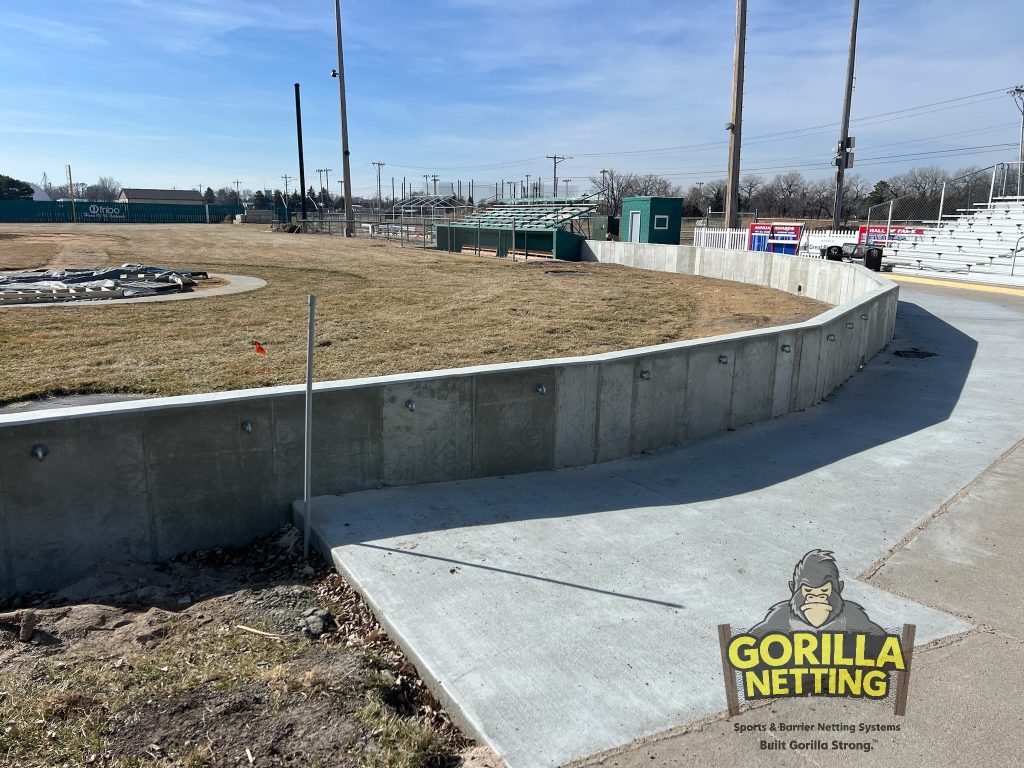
<point x="542" y="215"/>
<point x="983" y="239"/>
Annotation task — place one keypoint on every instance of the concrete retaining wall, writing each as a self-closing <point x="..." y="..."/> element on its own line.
<point x="148" y="479"/>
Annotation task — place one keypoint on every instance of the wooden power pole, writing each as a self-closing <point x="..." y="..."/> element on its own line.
<point x="732" y="194"/>
<point x="346" y="170"/>
<point x="843" y="157"/>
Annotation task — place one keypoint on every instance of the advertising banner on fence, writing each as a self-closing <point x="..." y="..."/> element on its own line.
<point x="774" y="237"/>
<point x="884" y="235"/>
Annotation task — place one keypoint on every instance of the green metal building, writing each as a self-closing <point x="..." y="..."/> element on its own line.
<point x="651" y="220"/>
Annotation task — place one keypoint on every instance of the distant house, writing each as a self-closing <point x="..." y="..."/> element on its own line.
<point x="162" y="196"/>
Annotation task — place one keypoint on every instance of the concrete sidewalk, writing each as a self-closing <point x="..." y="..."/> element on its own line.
<point x="965" y="693"/>
<point x="564" y="613"/>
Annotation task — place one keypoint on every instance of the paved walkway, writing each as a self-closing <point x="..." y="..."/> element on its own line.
<point x="564" y="613"/>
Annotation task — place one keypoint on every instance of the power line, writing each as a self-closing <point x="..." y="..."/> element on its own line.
<point x="811" y="165"/>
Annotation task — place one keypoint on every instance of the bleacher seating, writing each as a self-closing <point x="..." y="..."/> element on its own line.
<point x="980" y="239"/>
<point x="540" y="215"/>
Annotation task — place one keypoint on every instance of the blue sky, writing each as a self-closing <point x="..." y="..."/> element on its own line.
<point x="188" y="92"/>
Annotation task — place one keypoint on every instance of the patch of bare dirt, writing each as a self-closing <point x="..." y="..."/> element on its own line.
<point x="220" y="658"/>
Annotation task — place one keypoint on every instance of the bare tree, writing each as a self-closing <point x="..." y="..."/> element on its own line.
<point x="819" y="196"/>
<point x="619" y="185"/>
<point x="106" y="188"/>
<point x="750" y="185"/>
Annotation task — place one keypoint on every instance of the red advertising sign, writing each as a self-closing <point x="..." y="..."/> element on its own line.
<point x="885" y="235"/>
<point x="775" y="237"/>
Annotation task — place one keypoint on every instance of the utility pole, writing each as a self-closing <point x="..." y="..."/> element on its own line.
<point x="426" y="183"/>
<point x="346" y="171"/>
<point x="566" y="182"/>
<point x="529" y="192"/>
<point x="302" y="162"/>
<point x="71" y="194"/>
<point x="287" y="178"/>
<point x="604" y="191"/>
<point x="732" y="194"/>
<point x="555" y="160"/>
<point x="1018" y="99"/>
<point x="392" y="191"/>
<point x="327" y="174"/>
<point x="238" y="194"/>
<point x="844" y="159"/>
<point x="434" y="179"/>
<point x="378" y="165"/>
<point x="320" y="174"/>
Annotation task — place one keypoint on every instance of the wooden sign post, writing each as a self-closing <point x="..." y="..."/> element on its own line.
<point x="724" y="636"/>
<point x="903" y="686"/>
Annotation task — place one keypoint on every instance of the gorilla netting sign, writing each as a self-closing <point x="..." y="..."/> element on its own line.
<point x="816" y="643"/>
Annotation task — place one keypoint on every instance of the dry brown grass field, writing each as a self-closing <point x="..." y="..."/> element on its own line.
<point x="381" y="309"/>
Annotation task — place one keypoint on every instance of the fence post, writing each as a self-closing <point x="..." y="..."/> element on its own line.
<point x="888" y="225"/>
<point x="942" y="201"/>
<point x="992" y="186"/>
<point x="207" y="206"/>
<point x="307" y="447"/>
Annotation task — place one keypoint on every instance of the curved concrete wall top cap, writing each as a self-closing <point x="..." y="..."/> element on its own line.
<point x="859" y="286"/>
<point x="236" y="284"/>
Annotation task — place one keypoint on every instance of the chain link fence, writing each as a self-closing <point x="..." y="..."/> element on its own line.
<point x="954" y="198"/>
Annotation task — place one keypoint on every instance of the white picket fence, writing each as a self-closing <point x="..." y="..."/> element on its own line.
<point x="811" y="243"/>
<point x="715" y="237"/>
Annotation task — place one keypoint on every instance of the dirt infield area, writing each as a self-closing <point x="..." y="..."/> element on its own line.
<point x="382" y="309"/>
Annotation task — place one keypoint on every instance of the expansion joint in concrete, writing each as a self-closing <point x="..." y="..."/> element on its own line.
<point x="869" y="573"/>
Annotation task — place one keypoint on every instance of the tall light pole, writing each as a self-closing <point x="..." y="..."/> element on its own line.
<point x="327" y="174"/>
<point x="1018" y="99"/>
<point x="843" y="158"/>
<point x="302" y="161"/>
<point x="346" y="171"/>
<point x="732" y="193"/>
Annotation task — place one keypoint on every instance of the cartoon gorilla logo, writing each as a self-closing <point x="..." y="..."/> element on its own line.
<point x="816" y="602"/>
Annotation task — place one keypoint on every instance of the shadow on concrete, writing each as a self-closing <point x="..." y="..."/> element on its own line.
<point x="892" y="397"/>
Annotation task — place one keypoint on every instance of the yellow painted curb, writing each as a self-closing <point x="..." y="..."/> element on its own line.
<point x="955" y="284"/>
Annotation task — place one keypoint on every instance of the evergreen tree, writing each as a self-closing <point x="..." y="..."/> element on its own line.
<point x="14" y="189"/>
<point x="259" y="200"/>
<point x="880" y="193"/>
<point x="210" y="196"/>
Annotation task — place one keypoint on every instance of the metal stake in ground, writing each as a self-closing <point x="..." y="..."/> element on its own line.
<point x="307" y="488"/>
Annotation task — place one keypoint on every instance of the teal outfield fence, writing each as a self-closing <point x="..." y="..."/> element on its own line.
<point x="46" y="212"/>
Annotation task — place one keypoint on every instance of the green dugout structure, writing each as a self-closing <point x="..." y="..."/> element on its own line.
<point x="552" y="228"/>
<point x="651" y="220"/>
